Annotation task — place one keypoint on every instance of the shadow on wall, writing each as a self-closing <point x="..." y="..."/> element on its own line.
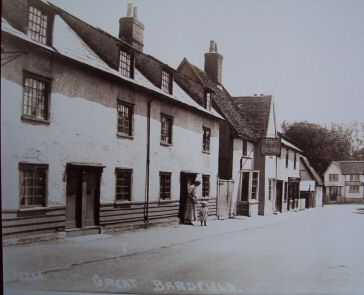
<point x="359" y="211"/>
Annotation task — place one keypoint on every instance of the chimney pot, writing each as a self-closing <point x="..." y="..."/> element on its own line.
<point x="130" y="10"/>
<point x="212" y="46"/>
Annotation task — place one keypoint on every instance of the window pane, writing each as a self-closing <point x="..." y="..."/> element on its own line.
<point x="123" y="185"/>
<point x="125" y="114"/>
<point x="165" y="185"/>
<point x="37" y="25"/>
<point x="166" y="129"/>
<point x="33" y="185"/>
<point x="205" y="185"/>
<point x="165" y="86"/>
<point x="206" y="139"/>
<point x="35" y="100"/>
<point x="125" y="64"/>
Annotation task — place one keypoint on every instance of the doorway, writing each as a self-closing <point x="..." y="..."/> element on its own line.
<point x="279" y="194"/>
<point x="83" y="196"/>
<point x="185" y="178"/>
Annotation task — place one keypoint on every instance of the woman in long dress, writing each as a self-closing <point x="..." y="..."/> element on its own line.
<point x="191" y="200"/>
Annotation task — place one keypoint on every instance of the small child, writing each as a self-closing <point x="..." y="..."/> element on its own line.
<point x="203" y="213"/>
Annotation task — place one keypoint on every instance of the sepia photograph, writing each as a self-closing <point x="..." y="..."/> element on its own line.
<point x="183" y="147"/>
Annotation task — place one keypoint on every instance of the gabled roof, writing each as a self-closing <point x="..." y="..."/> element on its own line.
<point x="255" y="110"/>
<point x="222" y="100"/>
<point x="93" y="47"/>
<point x="351" y="167"/>
<point x="311" y="170"/>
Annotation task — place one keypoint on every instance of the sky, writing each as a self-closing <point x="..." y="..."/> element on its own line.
<point x="308" y="54"/>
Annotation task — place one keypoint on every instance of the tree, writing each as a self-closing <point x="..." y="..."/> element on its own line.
<point x="358" y="154"/>
<point x="320" y="144"/>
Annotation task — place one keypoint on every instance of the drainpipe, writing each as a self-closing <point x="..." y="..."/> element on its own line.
<point x="146" y="202"/>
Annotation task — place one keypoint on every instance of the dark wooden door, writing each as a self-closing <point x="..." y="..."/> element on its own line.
<point x="73" y="198"/>
<point x="279" y="195"/>
<point x="91" y="199"/>
<point x="83" y="196"/>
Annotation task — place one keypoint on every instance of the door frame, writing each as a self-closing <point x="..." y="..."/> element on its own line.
<point x="184" y="175"/>
<point x="81" y="171"/>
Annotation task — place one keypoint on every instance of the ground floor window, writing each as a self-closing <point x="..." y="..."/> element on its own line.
<point x="165" y="185"/>
<point x="205" y="185"/>
<point x="33" y="185"/>
<point x="354" y="189"/>
<point x="270" y="189"/>
<point x="249" y="185"/>
<point x="123" y="184"/>
<point x="285" y="191"/>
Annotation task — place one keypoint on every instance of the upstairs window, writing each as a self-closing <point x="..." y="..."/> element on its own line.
<point x="334" y="177"/>
<point x="245" y="147"/>
<point x="205" y="186"/>
<point x="38" y="25"/>
<point x="354" y="177"/>
<point x="123" y="184"/>
<point x="166" y="84"/>
<point x="206" y="139"/>
<point x="125" y="65"/>
<point x="207" y="100"/>
<point x="33" y="185"/>
<point x="165" y="185"/>
<point x="287" y="157"/>
<point x="125" y="118"/>
<point x="166" y="129"/>
<point x="36" y="97"/>
<point x="295" y="161"/>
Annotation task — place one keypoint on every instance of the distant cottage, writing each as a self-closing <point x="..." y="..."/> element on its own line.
<point x="344" y="182"/>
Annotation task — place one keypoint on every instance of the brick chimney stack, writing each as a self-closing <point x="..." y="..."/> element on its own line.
<point x="131" y="29"/>
<point x="213" y="63"/>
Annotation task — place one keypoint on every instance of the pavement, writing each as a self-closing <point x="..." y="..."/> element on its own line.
<point x="315" y="251"/>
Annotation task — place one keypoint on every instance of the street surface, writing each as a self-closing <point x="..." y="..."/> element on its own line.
<point x="316" y="251"/>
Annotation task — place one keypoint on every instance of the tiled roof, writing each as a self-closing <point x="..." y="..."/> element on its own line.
<point x="86" y="44"/>
<point x="312" y="171"/>
<point x="222" y="100"/>
<point x="351" y="167"/>
<point x="255" y="110"/>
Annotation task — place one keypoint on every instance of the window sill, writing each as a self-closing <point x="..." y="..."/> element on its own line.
<point x="166" y="144"/>
<point x="119" y="203"/>
<point x="206" y="152"/>
<point x="29" y="119"/>
<point x="246" y="157"/>
<point x="36" y="210"/>
<point x="165" y="200"/>
<point x="123" y="135"/>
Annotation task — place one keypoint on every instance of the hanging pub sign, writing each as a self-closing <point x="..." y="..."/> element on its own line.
<point x="271" y="146"/>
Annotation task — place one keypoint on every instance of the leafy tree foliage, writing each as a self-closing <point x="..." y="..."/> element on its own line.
<point x="320" y="144"/>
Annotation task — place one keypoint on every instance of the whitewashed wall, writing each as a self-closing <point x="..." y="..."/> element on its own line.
<point x="247" y="164"/>
<point x="333" y="169"/>
<point x="82" y="128"/>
